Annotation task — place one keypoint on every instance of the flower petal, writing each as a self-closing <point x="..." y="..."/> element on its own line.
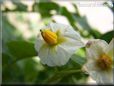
<point x="71" y="33"/>
<point x="71" y="45"/>
<point x="44" y="55"/>
<point x="65" y="30"/>
<point x="56" y="26"/>
<point x="56" y="56"/>
<point x="59" y="56"/>
<point x="91" y="65"/>
<point x="39" y="42"/>
<point x="90" y="68"/>
<point x="95" y="49"/>
<point x="106" y="77"/>
<point x="110" y="49"/>
<point x="95" y="76"/>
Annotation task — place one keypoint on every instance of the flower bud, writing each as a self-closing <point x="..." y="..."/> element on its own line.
<point x="49" y="37"/>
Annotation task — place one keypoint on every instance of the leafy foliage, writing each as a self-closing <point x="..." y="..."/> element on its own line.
<point x="21" y="49"/>
<point x="108" y="36"/>
<point x="45" y="8"/>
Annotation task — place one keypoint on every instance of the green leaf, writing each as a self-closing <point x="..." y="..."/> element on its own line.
<point x="76" y="9"/>
<point x="45" y="8"/>
<point x="30" y="69"/>
<point x="78" y="59"/>
<point x="9" y="32"/>
<point x="6" y="59"/>
<point x="108" y="36"/>
<point x="12" y="74"/>
<point x="64" y="76"/>
<point x="21" y="49"/>
<point x="20" y="7"/>
<point x="60" y="74"/>
<point x="74" y="78"/>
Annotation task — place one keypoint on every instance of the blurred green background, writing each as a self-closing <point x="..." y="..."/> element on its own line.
<point x="21" y="21"/>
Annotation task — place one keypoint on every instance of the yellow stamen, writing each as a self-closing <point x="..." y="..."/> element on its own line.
<point x="104" y="62"/>
<point x="49" y="37"/>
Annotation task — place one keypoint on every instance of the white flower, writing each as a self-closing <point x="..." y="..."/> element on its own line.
<point x="56" y="43"/>
<point x="100" y="60"/>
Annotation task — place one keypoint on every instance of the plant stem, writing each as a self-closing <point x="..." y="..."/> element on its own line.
<point x="60" y="74"/>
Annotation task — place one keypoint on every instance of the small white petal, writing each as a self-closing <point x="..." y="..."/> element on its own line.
<point x="91" y="65"/>
<point x="70" y="33"/>
<point x="106" y="77"/>
<point x="72" y="45"/>
<point x="92" y="70"/>
<point x="56" y="26"/>
<point x="44" y="55"/>
<point x="59" y="57"/>
<point x="96" y="48"/>
<point x="96" y="76"/>
<point x="54" y="56"/>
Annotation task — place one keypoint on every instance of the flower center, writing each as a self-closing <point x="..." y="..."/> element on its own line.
<point x="49" y="37"/>
<point x="104" y="62"/>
